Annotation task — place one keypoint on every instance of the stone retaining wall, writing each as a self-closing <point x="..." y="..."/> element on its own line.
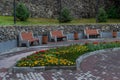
<point x="51" y="8"/>
<point x="11" y="32"/>
<point x="7" y="45"/>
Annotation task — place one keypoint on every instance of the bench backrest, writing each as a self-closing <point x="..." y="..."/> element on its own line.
<point x="56" y="33"/>
<point x="26" y="35"/>
<point x="91" y="31"/>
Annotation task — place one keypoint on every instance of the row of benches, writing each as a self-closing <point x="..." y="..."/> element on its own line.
<point x="28" y="38"/>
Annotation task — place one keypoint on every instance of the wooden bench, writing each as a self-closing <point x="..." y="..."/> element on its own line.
<point x="91" y="32"/>
<point x="27" y="38"/>
<point x="57" y="34"/>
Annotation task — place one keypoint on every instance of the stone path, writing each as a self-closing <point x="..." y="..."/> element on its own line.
<point x="104" y="66"/>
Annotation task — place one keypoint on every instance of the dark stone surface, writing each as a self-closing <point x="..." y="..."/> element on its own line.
<point x="51" y="8"/>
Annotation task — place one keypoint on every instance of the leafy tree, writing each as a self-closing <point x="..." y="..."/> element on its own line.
<point x="65" y="16"/>
<point x="114" y="10"/>
<point x="102" y="16"/>
<point x="22" y="12"/>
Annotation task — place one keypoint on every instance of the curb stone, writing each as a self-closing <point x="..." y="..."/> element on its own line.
<point x="43" y="68"/>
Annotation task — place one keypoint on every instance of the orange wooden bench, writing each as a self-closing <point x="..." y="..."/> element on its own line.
<point x="27" y="38"/>
<point x="91" y="32"/>
<point x="57" y="34"/>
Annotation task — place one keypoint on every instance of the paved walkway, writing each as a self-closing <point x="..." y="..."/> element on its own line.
<point x="105" y="65"/>
<point x="97" y="67"/>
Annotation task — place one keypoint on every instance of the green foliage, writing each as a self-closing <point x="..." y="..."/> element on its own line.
<point x="102" y="16"/>
<point x="113" y="12"/>
<point x="65" y="16"/>
<point x="68" y="52"/>
<point x="102" y="45"/>
<point x="22" y="12"/>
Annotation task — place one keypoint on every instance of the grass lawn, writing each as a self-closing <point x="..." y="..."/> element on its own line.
<point x="8" y="20"/>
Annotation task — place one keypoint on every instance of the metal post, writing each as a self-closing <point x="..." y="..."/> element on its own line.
<point x="97" y="10"/>
<point x="60" y="8"/>
<point x="14" y="4"/>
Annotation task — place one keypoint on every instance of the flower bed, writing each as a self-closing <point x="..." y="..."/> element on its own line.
<point x="63" y="56"/>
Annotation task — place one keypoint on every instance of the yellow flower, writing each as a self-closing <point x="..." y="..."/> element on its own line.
<point x="36" y="62"/>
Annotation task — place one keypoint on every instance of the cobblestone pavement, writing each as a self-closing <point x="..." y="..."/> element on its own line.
<point x="105" y="65"/>
<point x="52" y="75"/>
<point x="96" y="67"/>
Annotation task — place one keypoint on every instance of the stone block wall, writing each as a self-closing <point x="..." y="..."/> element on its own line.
<point x="51" y="8"/>
<point x="7" y="45"/>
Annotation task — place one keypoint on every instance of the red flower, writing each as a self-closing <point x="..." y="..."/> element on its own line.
<point x="42" y="51"/>
<point x="36" y="52"/>
<point x="95" y="42"/>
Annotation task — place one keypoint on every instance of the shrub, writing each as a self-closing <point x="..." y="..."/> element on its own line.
<point x="65" y="16"/>
<point x="113" y="12"/>
<point x="22" y="12"/>
<point x="102" y="16"/>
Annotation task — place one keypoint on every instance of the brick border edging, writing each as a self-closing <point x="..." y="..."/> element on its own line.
<point x="42" y="68"/>
<point x="82" y="57"/>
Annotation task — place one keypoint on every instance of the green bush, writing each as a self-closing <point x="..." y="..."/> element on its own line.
<point x="22" y="12"/>
<point x="113" y="12"/>
<point x="65" y="16"/>
<point x="102" y="46"/>
<point x="102" y="16"/>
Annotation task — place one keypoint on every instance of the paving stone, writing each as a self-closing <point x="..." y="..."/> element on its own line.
<point x="40" y="76"/>
<point x="0" y="78"/>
